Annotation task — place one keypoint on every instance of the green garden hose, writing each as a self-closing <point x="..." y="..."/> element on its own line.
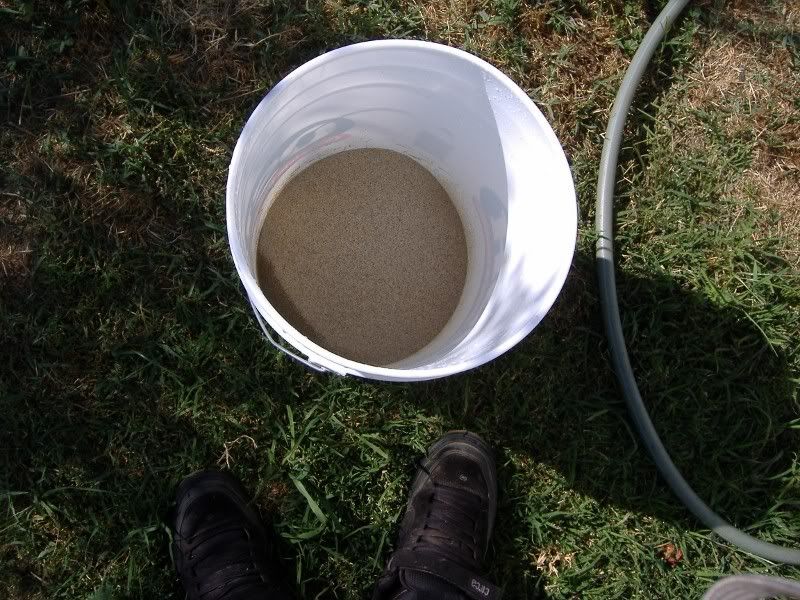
<point x="604" y="255"/>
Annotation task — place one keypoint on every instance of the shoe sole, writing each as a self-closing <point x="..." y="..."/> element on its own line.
<point x="474" y="446"/>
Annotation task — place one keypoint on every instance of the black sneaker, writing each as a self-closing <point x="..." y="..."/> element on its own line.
<point x="446" y="529"/>
<point x="219" y="543"/>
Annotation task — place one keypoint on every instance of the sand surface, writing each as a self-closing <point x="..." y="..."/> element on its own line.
<point x="365" y="254"/>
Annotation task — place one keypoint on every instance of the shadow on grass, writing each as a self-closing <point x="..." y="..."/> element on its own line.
<point x="718" y="392"/>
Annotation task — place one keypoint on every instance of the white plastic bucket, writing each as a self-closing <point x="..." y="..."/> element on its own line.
<point x="476" y="131"/>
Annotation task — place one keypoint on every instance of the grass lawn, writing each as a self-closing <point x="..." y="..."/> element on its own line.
<point x="129" y="357"/>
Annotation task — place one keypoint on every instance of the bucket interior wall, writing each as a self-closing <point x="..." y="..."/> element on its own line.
<point x="462" y="124"/>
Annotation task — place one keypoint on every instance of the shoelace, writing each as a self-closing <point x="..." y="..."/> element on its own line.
<point x="222" y="556"/>
<point x="451" y="524"/>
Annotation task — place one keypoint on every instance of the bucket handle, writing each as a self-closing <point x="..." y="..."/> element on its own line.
<point x="286" y="351"/>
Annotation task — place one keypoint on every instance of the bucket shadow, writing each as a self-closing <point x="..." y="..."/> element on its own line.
<point x="718" y="393"/>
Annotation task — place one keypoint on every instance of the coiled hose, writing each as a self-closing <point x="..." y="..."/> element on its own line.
<point x="604" y="255"/>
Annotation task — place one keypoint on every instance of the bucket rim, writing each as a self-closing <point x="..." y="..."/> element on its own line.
<point x="319" y="356"/>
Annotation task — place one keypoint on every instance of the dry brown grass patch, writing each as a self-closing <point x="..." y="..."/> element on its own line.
<point x="210" y="21"/>
<point x="533" y="21"/>
<point x="775" y="186"/>
<point x="273" y="494"/>
<point x="565" y="67"/>
<point x="15" y="247"/>
<point x="740" y="78"/>
<point x="551" y="560"/>
<point x="15" y="258"/>
<point x="761" y="13"/>
<point x="222" y="37"/>
<point x="447" y="20"/>
<point x="755" y="88"/>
